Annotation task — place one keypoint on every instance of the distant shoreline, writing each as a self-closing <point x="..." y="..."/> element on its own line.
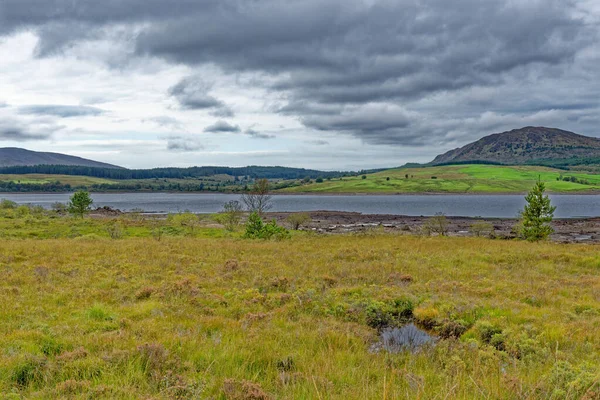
<point x="582" y="193"/>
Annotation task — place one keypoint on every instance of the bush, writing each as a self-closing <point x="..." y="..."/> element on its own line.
<point x="257" y="229"/>
<point x="186" y="220"/>
<point x="7" y="204"/>
<point x="296" y="220"/>
<point x="436" y="224"/>
<point x="115" y="230"/>
<point x="231" y="215"/>
<point x="482" y="228"/>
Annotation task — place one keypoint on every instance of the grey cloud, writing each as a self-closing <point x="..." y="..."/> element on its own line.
<point x="318" y="142"/>
<point x="258" y="135"/>
<point x="377" y="123"/>
<point x="222" y="127"/>
<point x="342" y="65"/>
<point x="165" y="122"/>
<point x="61" y="111"/>
<point x="183" y="144"/>
<point x="192" y="93"/>
<point x="17" y="131"/>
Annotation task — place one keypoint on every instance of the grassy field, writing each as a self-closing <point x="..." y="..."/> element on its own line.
<point x="72" y="180"/>
<point x="203" y="313"/>
<point x="455" y="179"/>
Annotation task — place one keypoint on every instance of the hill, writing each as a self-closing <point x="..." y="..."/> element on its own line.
<point x="13" y="157"/>
<point x="529" y="145"/>
<point x="474" y="178"/>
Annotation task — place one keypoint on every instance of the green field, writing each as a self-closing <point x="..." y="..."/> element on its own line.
<point x="72" y="180"/>
<point x="455" y="179"/>
<point x="205" y="314"/>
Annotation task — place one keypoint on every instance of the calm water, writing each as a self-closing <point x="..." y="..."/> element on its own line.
<point x="568" y="206"/>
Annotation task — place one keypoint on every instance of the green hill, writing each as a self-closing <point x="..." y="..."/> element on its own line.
<point x="470" y="178"/>
<point x="529" y="145"/>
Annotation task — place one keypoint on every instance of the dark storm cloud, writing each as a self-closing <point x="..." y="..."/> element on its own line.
<point x="342" y="65"/>
<point x="61" y="111"/>
<point x="222" y="127"/>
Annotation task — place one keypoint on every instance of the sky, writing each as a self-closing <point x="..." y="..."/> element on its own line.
<point x="325" y="84"/>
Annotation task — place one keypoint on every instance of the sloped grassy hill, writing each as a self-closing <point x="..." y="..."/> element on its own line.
<point x="457" y="179"/>
<point x="525" y="145"/>
<point x="13" y="156"/>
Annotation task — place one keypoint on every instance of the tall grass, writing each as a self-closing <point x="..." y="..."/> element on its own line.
<point x="200" y="317"/>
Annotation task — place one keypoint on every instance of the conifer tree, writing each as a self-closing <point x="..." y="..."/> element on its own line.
<point x="538" y="214"/>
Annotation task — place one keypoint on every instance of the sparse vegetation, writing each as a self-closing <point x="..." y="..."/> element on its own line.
<point x="257" y="229"/>
<point x="297" y="220"/>
<point x="258" y="199"/>
<point x="231" y="216"/>
<point x="482" y="228"/>
<point x="206" y="314"/>
<point x="437" y="224"/>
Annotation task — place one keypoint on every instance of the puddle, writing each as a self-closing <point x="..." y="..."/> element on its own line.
<point x="406" y="338"/>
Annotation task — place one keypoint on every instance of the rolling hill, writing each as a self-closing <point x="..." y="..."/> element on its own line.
<point x="468" y="178"/>
<point x="13" y="157"/>
<point x="529" y="145"/>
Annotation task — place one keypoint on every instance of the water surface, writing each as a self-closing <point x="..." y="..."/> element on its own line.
<point x="488" y="206"/>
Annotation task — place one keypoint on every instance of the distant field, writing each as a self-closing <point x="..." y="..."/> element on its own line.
<point x="455" y="179"/>
<point x="45" y="178"/>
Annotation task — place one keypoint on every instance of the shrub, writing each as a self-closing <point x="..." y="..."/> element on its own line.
<point x="380" y="315"/>
<point x="482" y="228"/>
<point x="257" y="229"/>
<point x="115" y="230"/>
<point x="186" y="220"/>
<point x="436" y="224"/>
<point x="8" y="204"/>
<point x="231" y="215"/>
<point x="364" y="177"/>
<point x="296" y="220"/>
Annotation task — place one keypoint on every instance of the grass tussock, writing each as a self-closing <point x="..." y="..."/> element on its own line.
<point x="194" y="316"/>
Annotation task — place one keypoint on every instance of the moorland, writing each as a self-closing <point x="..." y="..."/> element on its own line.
<point x="129" y="307"/>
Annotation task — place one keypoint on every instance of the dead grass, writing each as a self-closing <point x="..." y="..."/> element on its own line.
<point x="241" y="319"/>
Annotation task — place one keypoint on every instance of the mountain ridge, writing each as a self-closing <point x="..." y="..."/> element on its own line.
<point x="17" y="157"/>
<point x="524" y="146"/>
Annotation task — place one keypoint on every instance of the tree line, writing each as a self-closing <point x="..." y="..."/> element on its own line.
<point x="249" y="173"/>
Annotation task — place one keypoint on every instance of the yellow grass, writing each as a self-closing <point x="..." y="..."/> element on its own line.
<point x="232" y="318"/>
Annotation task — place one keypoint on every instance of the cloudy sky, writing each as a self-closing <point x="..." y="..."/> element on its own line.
<point x="329" y="84"/>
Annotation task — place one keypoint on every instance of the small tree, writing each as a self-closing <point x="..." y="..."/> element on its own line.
<point x="437" y="224"/>
<point x="537" y="214"/>
<point x="80" y="203"/>
<point x="231" y="215"/>
<point x="296" y="220"/>
<point x="258" y="199"/>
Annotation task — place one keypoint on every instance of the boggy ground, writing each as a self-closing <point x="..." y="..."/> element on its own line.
<point x="227" y="318"/>
<point x="581" y="230"/>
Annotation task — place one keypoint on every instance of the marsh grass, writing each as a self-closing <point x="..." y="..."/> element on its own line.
<point x="211" y="315"/>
